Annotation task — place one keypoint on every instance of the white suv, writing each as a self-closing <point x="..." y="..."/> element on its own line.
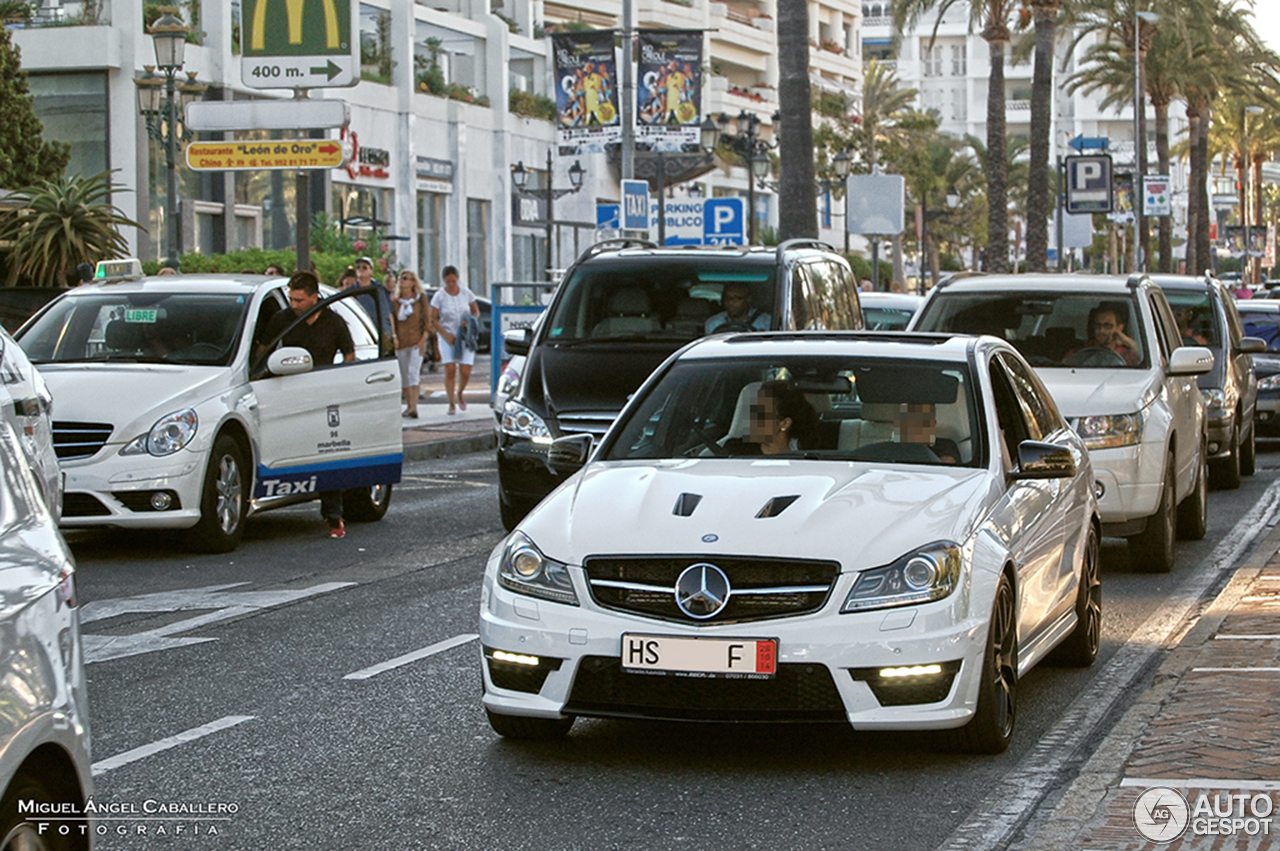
<point x="1110" y="352"/>
<point x="170" y="416"/>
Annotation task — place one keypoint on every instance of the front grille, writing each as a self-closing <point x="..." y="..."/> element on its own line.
<point x="906" y="691"/>
<point x="83" y="505"/>
<point x="761" y="588"/>
<point x="79" y="440"/>
<point x="795" y="693"/>
<point x="141" y="500"/>
<point x="594" y="423"/>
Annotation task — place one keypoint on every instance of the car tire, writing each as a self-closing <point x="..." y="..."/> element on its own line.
<point x="1080" y="648"/>
<point x="1249" y="453"/>
<point x="366" y="505"/>
<point x="1193" y="512"/>
<point x="1152" y="549"/>
<point x="991" y="729"/>
<point x="224" y="499"/>
<point x="1227" y="470"/>
<point x="16" y="832"/>
<point x="523" y="727"/>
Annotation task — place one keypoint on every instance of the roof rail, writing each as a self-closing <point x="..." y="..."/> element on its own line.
<point x="803" y="242"/>
<point x="956" y="276"/>
<point x="1135" y="279"/>
<point x="618" y="242"/>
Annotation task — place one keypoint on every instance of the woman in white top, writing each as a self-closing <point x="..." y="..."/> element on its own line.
<point x="449" y="308"/>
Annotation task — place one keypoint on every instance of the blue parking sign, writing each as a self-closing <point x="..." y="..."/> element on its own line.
<point x="724" y="221"/>
<point x="635" y="205"/>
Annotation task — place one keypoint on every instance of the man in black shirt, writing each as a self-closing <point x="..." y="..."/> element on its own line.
<point x="323" y="334"/>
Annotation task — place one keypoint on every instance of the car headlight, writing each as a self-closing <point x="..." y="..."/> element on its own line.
<point x="170" y="433"/>
<point x="1102" y="432"/>
<point x="508" y="382"/>
<point x="525" y="570"/>
<point x="1214" y="400"/>
<point x="519" y="421"/>
<point x="1271" y="382"/>
<point x="923" y="576"/>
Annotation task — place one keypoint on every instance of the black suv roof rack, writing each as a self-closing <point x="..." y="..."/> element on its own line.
<point x="803" y="242"/>
<point x="619" y="242"/>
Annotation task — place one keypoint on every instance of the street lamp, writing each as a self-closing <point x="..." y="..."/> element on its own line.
<point x="160" y="110"/>
<point x="844" y="163"/>
<point x="752" y="153"/>
<point x="1139" y="143"/>
<point x="520" y="177"/>
<point x="1247" y="161"/>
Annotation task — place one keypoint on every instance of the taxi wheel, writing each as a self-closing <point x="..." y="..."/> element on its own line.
<point x="1152" y="549"/>
<point x="1081" y="647"/>
<point x="18" y="834"/>
<point x="366" y="505"/>
<point x="991" y="729"/>
<point x="522" y="727"/>
<point x="224" y="500"/>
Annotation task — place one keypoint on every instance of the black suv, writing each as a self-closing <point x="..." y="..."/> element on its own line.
<point x="624" y="307"/>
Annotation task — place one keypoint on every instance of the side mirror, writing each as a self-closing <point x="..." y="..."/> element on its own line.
<point x="289" y="360"/>
<point x="1038" y="460"/>
<point x="1252" y="345"/>
<point x="517" y="340"/>
<point x="567" y="454"/>
<point x="1190" y="360"/>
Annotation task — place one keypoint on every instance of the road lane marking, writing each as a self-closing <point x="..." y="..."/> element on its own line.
<point x="1235" y="670"/>
<point x="438" y="647"/>
<point x="224" y="603"/>
<point x="1016" y="796"/>
<point x="103" y="766"/>
<point x="1203" y="783"/>
<point x="1246" y="638"/>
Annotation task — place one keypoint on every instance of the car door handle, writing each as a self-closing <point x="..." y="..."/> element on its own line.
<point x="379" y="377"/>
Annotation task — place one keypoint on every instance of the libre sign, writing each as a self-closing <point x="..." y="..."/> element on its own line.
<point x="300" y="44"/>
<point x="279" y="154"/>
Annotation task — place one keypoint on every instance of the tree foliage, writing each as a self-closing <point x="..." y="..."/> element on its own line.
<point x="24" y="157"/>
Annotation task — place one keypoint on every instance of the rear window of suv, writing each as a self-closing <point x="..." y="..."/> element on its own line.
<point x="653" y="299"/>
<point x="1050" y="329"/>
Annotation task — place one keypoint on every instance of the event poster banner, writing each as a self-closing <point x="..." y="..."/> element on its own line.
<point x="586" y="90"/>
<point x="1121" y="198"/>
<point x="669" y="94"/>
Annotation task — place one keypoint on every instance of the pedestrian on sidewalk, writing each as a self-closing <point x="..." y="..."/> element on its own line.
<point x="452" y="306"/>
<point x="379" y="311"/>
<point x="412" y="323"/>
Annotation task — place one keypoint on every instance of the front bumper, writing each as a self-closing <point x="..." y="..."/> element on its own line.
<point x="826" y="663"/>
<point x="110" y="489"/>
<point x="1218" y="428"/>
<point x="1266" y="415"/>
<point x="1131" y="478"/>
<point x="522" y="470"/>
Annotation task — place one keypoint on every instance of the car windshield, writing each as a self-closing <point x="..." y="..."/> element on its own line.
<point x="662" y="300"/>
<point x="1195" y="317"/>
<point x="818" y="408"/>
<point x="886" y="318"/>
<point x="1049" y="328"/>
<point x="180" y="328"/>
<point x="1265" y="325"/>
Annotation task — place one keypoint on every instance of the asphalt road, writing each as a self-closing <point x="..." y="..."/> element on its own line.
<point x="223" y="684"/>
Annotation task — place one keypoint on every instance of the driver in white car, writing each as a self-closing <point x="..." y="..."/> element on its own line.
<point x="1106" y="331"/>
<point x="737" y="314"/>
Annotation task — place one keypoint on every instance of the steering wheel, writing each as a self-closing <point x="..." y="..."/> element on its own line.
<point x="724" y="327"/>
<point x="1094" y="356"/>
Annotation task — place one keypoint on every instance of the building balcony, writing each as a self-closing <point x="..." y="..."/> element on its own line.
<point x="1017" y="111"/>
<point x="731" y="27"/>
<point x="676" y="14"/>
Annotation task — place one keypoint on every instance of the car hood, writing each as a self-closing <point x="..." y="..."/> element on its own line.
<point x="127" y="395"/>
<point x="1090" y="392"/>
<point x="596" y="376"/>
<point x="861" y="515"/>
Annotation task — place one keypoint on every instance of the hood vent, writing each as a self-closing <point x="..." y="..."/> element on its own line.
<point x="776" y="506"/>
<point x="686" y="503"/>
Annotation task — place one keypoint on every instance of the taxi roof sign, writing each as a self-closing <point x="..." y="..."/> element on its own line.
<point x="126" y="269"/>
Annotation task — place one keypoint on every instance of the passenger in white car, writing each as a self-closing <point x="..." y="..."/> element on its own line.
<point x="782" y="420"/>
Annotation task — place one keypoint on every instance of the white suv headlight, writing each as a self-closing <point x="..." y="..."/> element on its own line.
<point x="525" y="570"/>
<point x="1103" y="432"/>
<point x="928" y="574"/>
<point x="519" y="421"/>
<point x="170" y="433"/>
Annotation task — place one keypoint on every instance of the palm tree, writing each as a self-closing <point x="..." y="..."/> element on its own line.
<point x="1045" y="15"/>
<point x="797" y="204"/>
<point x="61" y="223"/>
<point x="992" y="18"/>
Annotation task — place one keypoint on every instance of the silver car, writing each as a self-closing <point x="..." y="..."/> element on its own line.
<point x="44" y="718"/>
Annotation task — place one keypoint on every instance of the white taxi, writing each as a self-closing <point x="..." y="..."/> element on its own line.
<point x="174" y="412"/>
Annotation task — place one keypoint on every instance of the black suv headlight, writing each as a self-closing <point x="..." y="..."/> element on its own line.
<point x="923" y="576"/>
<point x="525" y="570"/>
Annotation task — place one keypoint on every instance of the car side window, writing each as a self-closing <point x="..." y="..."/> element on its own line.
<point x="1042" y="418"/>
<point x="1166" y="326"/>
<point x="1235" y="327"/>
<point x="362" y="334"/>
<point x="1011" y="423"/>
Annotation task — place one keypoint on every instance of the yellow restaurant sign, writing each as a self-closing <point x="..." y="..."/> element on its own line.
<point x="271" y="154"/>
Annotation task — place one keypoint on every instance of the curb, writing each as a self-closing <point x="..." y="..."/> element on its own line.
<point x="429" y="449"/>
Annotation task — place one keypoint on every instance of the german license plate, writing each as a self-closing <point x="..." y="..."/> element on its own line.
<point x="700" y="657"/>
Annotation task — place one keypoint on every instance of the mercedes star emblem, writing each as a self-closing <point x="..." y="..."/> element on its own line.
<point x="702" y="591"/>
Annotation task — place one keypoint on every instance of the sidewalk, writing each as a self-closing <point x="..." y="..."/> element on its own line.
<point x="436" y="433"/>
<point x="1195" y="763"/>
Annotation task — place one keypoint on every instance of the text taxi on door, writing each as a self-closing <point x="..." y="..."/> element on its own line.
<point x="174" y="411"/>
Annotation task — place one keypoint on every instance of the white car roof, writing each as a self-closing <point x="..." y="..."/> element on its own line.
<point x="204" y="284"/>
<point x="1062" y="283"/>
<point x="888" y="344"/>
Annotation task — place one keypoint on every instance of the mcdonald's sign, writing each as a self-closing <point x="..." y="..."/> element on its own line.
<point x="300" y="44"/>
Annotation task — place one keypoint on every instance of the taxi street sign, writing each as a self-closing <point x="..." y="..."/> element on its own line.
<point x="300" y="44"/>
<point x="271" y="154"/>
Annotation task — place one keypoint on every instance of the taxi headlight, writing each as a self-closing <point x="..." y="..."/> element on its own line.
<point x="519" y="421"/>
<point x="170" y="433"/>
<point x="923" y="576"/>
<point x="525" y="570"/>
<point x="1102" y="432"/>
